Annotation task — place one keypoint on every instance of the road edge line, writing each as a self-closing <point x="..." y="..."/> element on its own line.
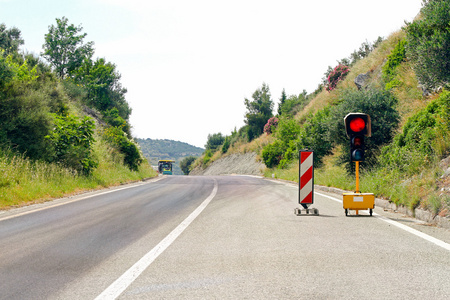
<point x="416" y="232"/>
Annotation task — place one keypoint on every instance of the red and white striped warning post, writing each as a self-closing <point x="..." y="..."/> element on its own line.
<point x="306" y="181"/>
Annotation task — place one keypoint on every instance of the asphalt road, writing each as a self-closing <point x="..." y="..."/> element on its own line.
<point x="222" y="237"/>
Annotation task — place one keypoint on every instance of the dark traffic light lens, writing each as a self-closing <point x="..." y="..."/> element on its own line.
<point x="357" y="124"/>
<point x="358" y="155"/>
<point x="358" y="141"/>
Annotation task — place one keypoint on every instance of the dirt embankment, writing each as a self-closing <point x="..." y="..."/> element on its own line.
<point x="245" y="164"/>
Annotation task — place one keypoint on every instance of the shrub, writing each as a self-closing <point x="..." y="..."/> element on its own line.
<point x="424" y="137"/>
<point x="25" y="117"/>
<point x="71" y="143"/>
<point x="113" y="118"/>
<point x="185" y="164"/>
<point x="132" y="155"/>
<point x="226" y="144"/>
<point x="397" y="56"/>
<point x="336" y="75"/>
<point x="273" y="153"/>
<point x="380" y="106"/>
<point x="314" y="135"/>
<point x="214" y="141"/>
<point x="207" y="157"/>
<point x="6" y="72"/>
<point x="271" y="124"/>
<point x="429" y="43"/>
<point x="288" y="130"/>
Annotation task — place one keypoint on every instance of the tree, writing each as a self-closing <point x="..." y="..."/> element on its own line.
<point x="64" y="47"/>
<point x="259" y="111"/>
<point x="214" y="141"/>
<point x="185" y="164"/>
<point x="428" y="43"/>
<point x="282" y="100"/>
<point x="102" y="82"/>
<point x="6" y="72"/>
<point x="10" y="39"/>
<point x="293" y="104"/>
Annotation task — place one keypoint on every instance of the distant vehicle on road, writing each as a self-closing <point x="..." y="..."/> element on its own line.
<point x="165" y="167"/>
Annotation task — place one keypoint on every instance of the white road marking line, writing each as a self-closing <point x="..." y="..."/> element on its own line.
<point x="71" y="201"/>
<point x="127" y="278"/>
<point x="401" y="226"/>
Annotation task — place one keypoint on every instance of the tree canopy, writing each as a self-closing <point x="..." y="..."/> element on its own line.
<point x="64" y="47"/>
<point x="10" y="39"/>
<point x="259" y="111"/>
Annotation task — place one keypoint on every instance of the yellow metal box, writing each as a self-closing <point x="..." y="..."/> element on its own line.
<point x="358" y="201"/>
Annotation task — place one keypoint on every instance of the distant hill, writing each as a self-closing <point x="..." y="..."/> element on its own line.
<point x="155" y="150"/>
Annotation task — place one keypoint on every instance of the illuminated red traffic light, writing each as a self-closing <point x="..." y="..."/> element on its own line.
<point x="357" y="124"/>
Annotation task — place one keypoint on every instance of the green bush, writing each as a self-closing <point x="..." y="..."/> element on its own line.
<point x="273" y="153"/>
<point x="314" y="135"/>
<point x="380" y="106"/>
<point x="207" y="157"/>
<point x="113" y="118"/>
<point x="25" y="117"/>
<point x="132" y="155"/>
<point x="424" y="138"/>
<point x="226" y="144"/>
<point x="185" y="164"/>
<point x="429" y="43"/>
<point x="6" y="71"/>
<point x="397" y="56"/>
<point x="71" y="143"/>
<point x="287" y="130"/>
<point x="214" y="141"/>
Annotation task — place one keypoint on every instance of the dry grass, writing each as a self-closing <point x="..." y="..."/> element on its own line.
<point x="25" y="182"/>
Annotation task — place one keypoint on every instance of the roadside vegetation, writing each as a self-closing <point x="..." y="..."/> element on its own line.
<point x="402" y="84"/>
<point x="64" y="118"/>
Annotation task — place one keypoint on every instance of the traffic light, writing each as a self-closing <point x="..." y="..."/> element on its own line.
<point x="357" y="148"/>
<point x="357" y="125"/>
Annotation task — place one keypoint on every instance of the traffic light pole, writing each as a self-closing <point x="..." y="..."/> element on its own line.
<point x="357" y="177"/>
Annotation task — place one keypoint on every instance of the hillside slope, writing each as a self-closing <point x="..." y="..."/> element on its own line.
<point x="407" y="155"/>
<point x="155" y="150"/>
<point x="65" y="120"/>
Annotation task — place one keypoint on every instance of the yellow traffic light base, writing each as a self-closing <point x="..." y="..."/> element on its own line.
<point x="357" y="200"/>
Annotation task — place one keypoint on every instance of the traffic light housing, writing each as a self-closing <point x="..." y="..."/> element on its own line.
<point x="357" y="126"/>
<point x="357" y="148"/>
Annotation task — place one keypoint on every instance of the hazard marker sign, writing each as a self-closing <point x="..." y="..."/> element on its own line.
<point x="306" y="182"/>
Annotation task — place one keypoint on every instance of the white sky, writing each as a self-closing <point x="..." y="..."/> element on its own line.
<point x="188" y="65"/>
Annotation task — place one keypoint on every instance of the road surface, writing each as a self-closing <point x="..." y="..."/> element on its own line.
<point x="219" y="237"/>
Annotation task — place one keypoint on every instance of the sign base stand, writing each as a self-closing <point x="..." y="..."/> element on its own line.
<point x="306" y="211"/>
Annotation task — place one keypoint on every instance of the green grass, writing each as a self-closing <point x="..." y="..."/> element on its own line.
<point x="25" y="181"/>
<point x="416" y="191"/>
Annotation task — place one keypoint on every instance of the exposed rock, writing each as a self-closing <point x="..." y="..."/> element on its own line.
<point x="94" y="114"/>
<point x="244" y="164"/>
<point x="445" y="163"/>
<point x="362" y="80"/>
